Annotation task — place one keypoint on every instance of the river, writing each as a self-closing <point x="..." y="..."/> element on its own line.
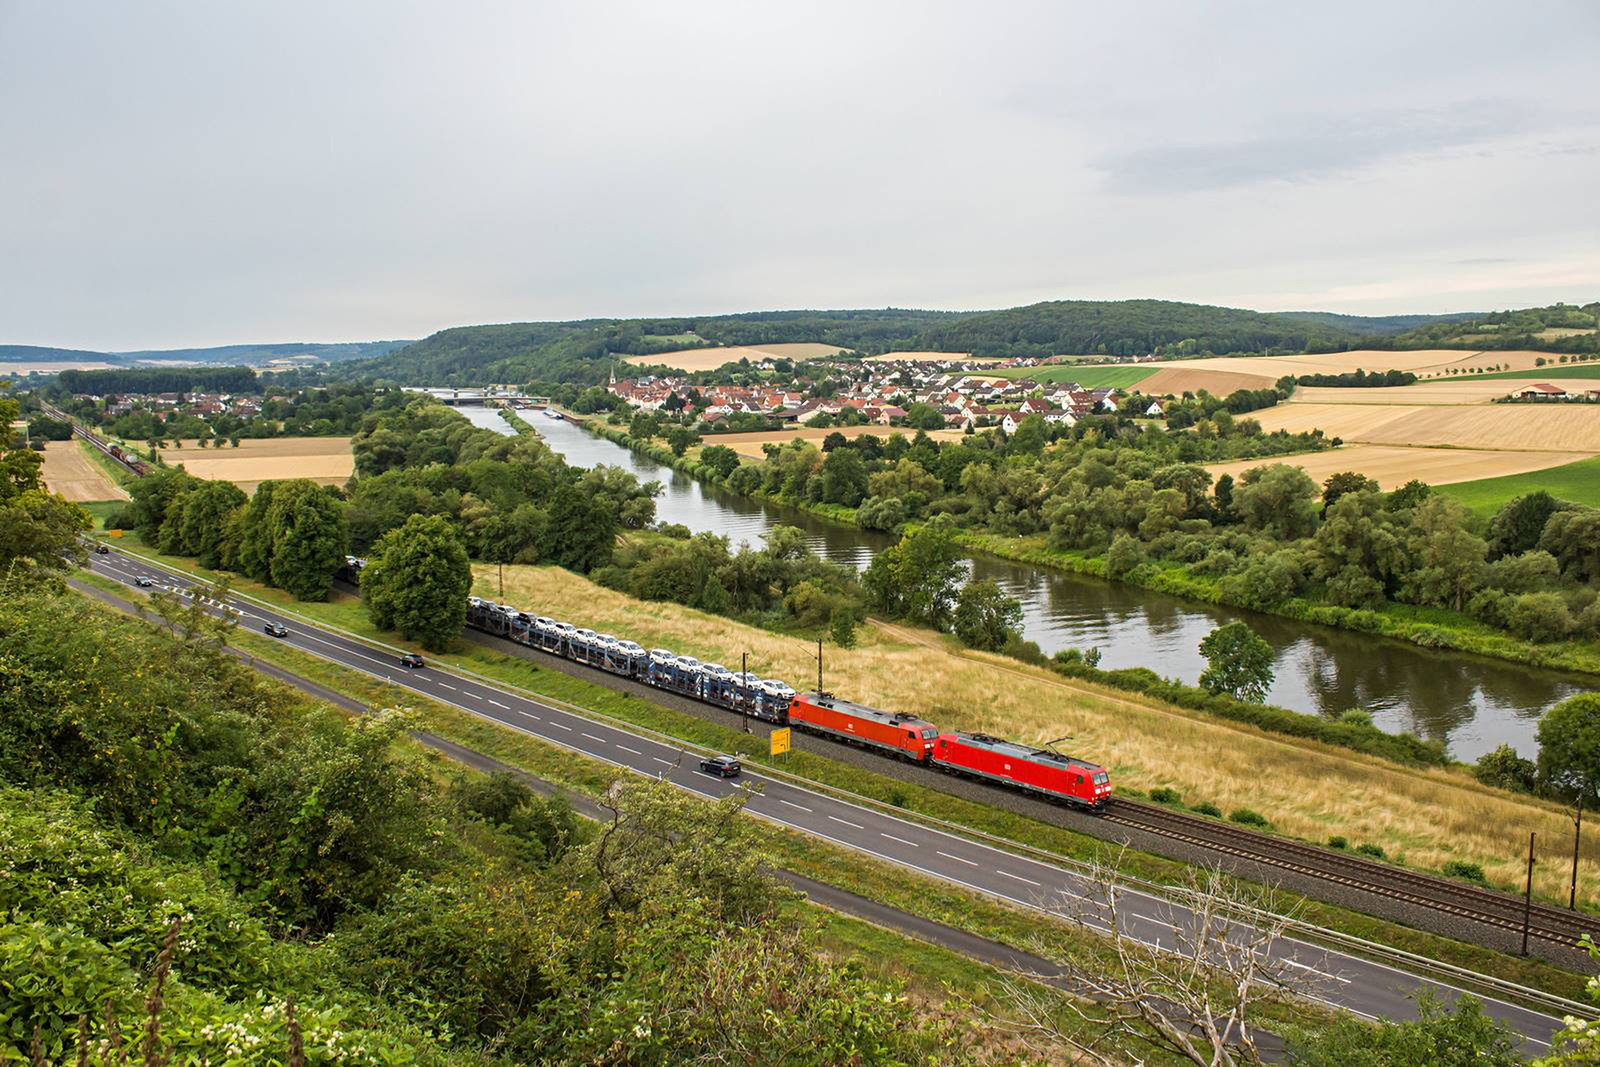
<point x="1472" y="703"/>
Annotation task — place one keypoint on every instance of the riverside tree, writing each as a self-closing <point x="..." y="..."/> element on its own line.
<point x="416" y="581"/>
<point x="1238" y="663"/>
<point x="985" y="617"/>
<point x="916" y="579"/>
<point x="1569" y="747"/>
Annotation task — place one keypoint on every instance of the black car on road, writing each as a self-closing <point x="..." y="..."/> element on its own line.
<point x="276" y="629"/>
<point x="101" y="550"/>
<point x="721" y="766"/>
<point x="411" y="659"/>
<point x="144" y="581"/>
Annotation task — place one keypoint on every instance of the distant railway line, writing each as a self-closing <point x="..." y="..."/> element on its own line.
<point x="128" y="462"/>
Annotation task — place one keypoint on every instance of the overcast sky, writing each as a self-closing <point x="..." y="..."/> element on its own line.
<point x="208" y="173"/>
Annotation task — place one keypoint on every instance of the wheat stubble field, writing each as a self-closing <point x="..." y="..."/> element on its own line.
<point x="322" y="459"/>
<point x="693" y="359"/>
<point x="1306" y="789"/>
<point x="68" y="471"/>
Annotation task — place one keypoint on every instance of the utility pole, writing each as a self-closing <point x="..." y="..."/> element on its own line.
<point x="819" y="666"/>
<point x="1527" y="895"/>
<point x="1577" y="837"/>
<point x="502" y="582"/>
<point x="744" y="670"/>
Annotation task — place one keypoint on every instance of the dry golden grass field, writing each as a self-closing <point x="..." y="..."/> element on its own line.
<point x="322" y="459"/>
<point x="1392" y="466"/>
<point x="692" y="359"/>
<point x="1450" y="391"/>
<point x="1306" y="789"/>
<point x="1257" y="372"/>
<point x="68" y="471"/>
<point x="749" y="444"/>
<point x="8" y="368"/>
<point x="1542" y="427"/>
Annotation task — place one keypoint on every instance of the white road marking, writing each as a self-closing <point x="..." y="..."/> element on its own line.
<point x="635" y="751"/>
<point x="447" y="685"/>
<point x="713" y="777"/>
<point x="665" y="762"/>
<point x="1018" y="877"/>
<point x="847" y="822"/>
<point x="561" y="725"/>
<point x="496" y="703"/>
<point x="958" y="859"/>
<point x="592" y="737"/>
<point x="902" y="840"/>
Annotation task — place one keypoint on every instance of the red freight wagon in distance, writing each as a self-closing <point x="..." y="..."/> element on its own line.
<point x="1037" y="770"/>
<point x="909" y="737"/>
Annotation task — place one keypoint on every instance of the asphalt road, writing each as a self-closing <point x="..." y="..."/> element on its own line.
<point x="1367" y="988"/>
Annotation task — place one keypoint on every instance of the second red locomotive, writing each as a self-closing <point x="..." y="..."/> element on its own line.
<point x="1036" y="770"/>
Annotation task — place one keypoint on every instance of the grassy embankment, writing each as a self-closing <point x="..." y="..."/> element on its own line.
<point x="1312" y="777"/>
<point x="934" y="975"/>
<point x="1428" y="627"/>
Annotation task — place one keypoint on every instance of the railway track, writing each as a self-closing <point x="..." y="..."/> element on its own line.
<point x="1478" y="904"/>
<point x="94" y="439"/>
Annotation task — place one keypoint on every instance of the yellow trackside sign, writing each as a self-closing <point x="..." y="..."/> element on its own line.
<point x="780" y="741"/>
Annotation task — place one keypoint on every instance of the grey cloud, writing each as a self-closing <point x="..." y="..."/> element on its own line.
<point x="1309" y="149"/>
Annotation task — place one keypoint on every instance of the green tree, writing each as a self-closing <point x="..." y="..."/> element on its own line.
<point x="1344" y="482"/>
<point x="916" y="578"/>
<point x="844" y="477"/>
<point x="582" y="530"/>
<point x="679" y="438"/>
<point x="720" y="458"/>
<point x="985" y="617"/>
<point x="1572" y="536"/>
<point x="1517" y="526"/>
<point x="1462" y="1036"/>
<point x="1279" y="500"/>
<point x="1448" y="555"/>
<point x="40" y="531"/>
<point x="204" y="520"/>
<point x="1238" y="663"/>
<point x="1505" y="769"/>
<point x="416" y="581"/>
<point x="924" y="417"/>
<point x="308" y="536"/>
<point x="1569" y="747"/>
<point x="1578" y="1044"/>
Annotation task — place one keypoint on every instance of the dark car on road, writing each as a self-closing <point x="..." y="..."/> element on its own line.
<point x="144" y="581"/>
<point x="276" y="629"/>
<point x="101" y="550"/>
<point x="721" y="766"/>
<point x="411" y="659"/>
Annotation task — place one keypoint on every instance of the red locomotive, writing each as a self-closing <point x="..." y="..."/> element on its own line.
<point x="904" y="735"/>
<point x="1036" y="770"/>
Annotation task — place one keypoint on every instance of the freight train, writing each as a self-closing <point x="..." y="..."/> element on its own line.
<point x="1042" y="772"/>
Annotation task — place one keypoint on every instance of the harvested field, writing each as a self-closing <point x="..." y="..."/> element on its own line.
<point x="749" y="444"/>
<point x="322" y="459"/>
<point x="932" y="357"/>
<point x="692" y="359"/>
<point x="9" y="367"/>
<point x="1428" y="817"/>
<point x="1544" y="427"/>
<point x="68" y="471"/>
<point x="1392" y="466"/>
<point x="1446" y="391"/>
<point x="1179" y="380"/>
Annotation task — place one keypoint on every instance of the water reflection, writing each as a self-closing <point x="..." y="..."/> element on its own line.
<point x="1472" y="703"/>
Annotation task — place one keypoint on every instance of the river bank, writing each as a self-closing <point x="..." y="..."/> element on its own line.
<point x="1429" y="628"/>
<point x="1469" y="703"/>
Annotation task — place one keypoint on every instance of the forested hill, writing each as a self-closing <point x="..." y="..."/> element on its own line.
<point x="579" y="351"/>
<point x="1131" y="328"/>
<point x="1376" y="325"/>
<point x="1557" y="328"/>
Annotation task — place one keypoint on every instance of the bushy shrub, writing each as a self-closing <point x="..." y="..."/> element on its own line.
<point x="1166" y="796"/>
<point x="1246" y="817"/>
<point x="1356" y="717"/>
<point x="1504" y="769"/>
<point x="1205" y="807"/>
<point x="1125" y="554"/>
<point x="1469" y="871"/>
<point x="1539" y="617"/>
<point x="1336" y="841"/>
<point x="1374" y="851"/>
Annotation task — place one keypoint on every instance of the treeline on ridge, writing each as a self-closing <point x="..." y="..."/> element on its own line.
<point x="161" y="380"/>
